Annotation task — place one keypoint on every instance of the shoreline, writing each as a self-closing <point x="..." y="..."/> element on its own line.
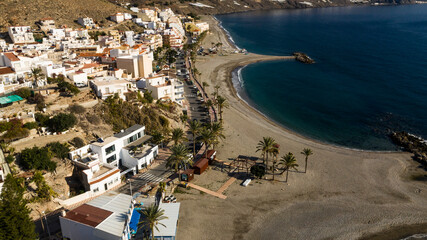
<point x="236" y="66"/>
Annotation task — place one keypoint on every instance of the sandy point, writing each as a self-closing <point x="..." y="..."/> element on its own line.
<point x="345" y="194"/>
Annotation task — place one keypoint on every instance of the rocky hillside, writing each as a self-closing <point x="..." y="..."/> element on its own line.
<point x="27" y="12"/>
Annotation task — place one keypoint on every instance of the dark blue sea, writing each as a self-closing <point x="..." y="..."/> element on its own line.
<point x="370" y="75"/>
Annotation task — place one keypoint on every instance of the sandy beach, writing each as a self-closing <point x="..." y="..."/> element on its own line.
<point x="345" y="194"/>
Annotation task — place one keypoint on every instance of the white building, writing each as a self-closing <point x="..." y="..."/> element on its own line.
<point x="108" y="217"/>
<point x="86" y="22"/>
<point x="165" y="88"/>
<point x="78" y="78"/>
<point x="166" y="229"/>
<point x="47" y="23"/>
<point x="202" y="26"/>
<point x="118" y="17"/>
<point x="126" y="148"/>
<point x="109" y="86"/>
<point x="21" y="34"/>
<point x="50" y="70"/>
<point x="139" y="66"/>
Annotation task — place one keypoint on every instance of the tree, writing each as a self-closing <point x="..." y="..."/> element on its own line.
<point x="266" y="146"/>
<point x="77" y="142"/>
<point x="221" y="103"/>
<point x="36" y="73"/>
<point x="177" y="135"/>
<point x="62" y="122"/>
<point x="152" y="217"/>
<point x="15" y="221"/>
<point x="179" y="158"/>
<point x="288" y="161"/>
<point x="306" y="152"/>
<point x="275" y="153"/>
<point x="194" y="127"/>
<point x="207" y="137"/>
<point x="23" y="92"/>
<point x="217" y="130"/>
<point x="59" y="150"/>
<point x="37" y="158"/>
<point x="44" y="191"/>
<point x="258" y="171"/>
<point x="183" y="118"/>
<point x="157" y="137"/>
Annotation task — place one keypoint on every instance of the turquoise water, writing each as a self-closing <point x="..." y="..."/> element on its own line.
<point x="370" y="77"/>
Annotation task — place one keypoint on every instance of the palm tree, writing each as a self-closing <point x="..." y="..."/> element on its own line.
<point x="177" y="135"/>
<point x="152" y="217"/>
<point x="221" y="103"/>
<point x="207" y="137"/>
<point x="288" y="161"/>
<point x="178" y="158"/>
<point x="275" y="151"/>
<point x="266" y="146"/>
<point x="195" y="127"/>
<point x="217" y="130"/>
<point x="306" y="152"/>
<point x="157" y="137"/>
<point x="36" y="73"/>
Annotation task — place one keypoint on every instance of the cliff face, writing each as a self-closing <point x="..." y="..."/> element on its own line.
<point x="27" y="12"/>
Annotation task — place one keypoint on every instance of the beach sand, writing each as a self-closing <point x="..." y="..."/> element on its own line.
<point x="345" y="194"/>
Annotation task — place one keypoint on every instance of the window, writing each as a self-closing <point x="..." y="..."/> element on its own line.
<point x="139" y="134"/>
<point x="111" y="159"/>
<point x="134" y="138"/>
<point x="110" y="149"/>
<point x="96" y="189"/>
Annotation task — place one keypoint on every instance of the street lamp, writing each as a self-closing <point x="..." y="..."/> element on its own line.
<point x="47" y="224"/>
<point x="130" y="186"/>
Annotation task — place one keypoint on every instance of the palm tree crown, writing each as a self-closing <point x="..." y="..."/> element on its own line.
<point x="152" y="217"/>
<point x="195" y="128"/>
<point x="207" y="137"/>
<point x="217" y="130"/>
<point x="289" y="162"/>
<point x="267" y="147"/>
<point x="306" y="152"/>
<point x="177" y="135"/>
<point x="178" y="158"/>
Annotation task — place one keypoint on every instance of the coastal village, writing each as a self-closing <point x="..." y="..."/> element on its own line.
<point x="109" y="132"/>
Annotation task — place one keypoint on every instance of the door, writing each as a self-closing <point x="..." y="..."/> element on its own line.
<point x="106" y="188"/>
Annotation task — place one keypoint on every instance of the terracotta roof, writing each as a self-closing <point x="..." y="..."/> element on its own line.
<point x="90" y="65"/>
<point x="12" y="57"/>
<point x="88" y="215"/>
<point x="89" y="54"/>
<point x="6" y="70"/>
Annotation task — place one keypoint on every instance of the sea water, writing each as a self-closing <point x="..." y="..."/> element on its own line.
<point x="369" y="79"/>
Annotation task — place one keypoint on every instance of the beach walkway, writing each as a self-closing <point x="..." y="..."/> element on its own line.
<point x="227" y="184"/>
<point x="215" y="194"/>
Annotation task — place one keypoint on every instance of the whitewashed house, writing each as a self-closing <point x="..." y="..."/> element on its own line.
<point x="109" y="217"/>
<point x="165" y="88"/>
<point x="126" y="150"/>
<point x="21" y="34"/>
<point x="109" y="86"/>
<point x="118" y="17"/>
<point x="86" y="22"/>
<point x="79" y="78"/>
<point x="50" y="70"/>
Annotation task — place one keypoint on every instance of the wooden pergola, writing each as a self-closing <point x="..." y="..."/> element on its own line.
<point x="243" y="163"/>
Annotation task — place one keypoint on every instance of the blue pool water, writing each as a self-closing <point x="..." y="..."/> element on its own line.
<point x="370" y="75"/>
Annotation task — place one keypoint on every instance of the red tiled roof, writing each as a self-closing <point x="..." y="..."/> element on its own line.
<point x="90" y="65"/>
<point x="6" y="70"/>
<point x="88" y="215"/>
<point x="12" y="57"/>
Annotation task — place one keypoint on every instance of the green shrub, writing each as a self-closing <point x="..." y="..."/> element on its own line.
<point x="37" y="158"/>
<point x="258" y="171"/>
<point x="42" y="119"/>
<point x="61" y="122"/>
<point x="31" y="125"/>
<point x="59" y="150"/>
<point x="77" y="109"/>
<point x="9" y="159"/>
<point x="24" y="92"/>
<point x="15" y="130"/>
<point x="77" y="142"/>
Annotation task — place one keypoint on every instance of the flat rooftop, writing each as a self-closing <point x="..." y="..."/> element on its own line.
<point x="128" y="131"/>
